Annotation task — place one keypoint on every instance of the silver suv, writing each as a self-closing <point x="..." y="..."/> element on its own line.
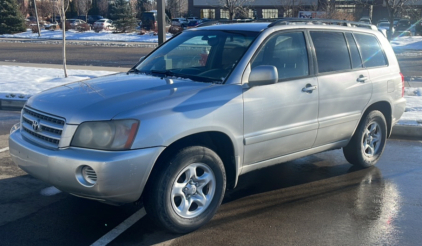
<point x="209" y="105"/>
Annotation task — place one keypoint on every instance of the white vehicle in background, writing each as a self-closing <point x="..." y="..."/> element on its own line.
<point x="385" y="26"/>
<point x="103" y="24"/>
<point x="178" y="21"/>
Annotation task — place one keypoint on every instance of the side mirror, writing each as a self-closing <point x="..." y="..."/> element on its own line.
<point x="263" y="75"/>
<point x="142" y="58"/>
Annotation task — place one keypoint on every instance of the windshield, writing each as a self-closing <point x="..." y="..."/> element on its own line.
<point x="385" y="24"/>
<point x="201" y="55"/>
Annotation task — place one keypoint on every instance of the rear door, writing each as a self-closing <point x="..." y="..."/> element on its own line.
<point x="344" y="85"/>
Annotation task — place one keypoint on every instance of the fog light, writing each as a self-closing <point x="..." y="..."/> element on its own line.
<point x="86" y="176"/>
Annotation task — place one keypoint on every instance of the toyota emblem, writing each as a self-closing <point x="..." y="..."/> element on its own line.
<point x="36" y="125"/>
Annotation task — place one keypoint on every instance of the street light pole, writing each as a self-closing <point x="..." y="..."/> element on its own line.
<point x="161" y="16"/>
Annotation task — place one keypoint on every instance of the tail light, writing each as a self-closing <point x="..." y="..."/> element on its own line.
<point x="402" y="85"/>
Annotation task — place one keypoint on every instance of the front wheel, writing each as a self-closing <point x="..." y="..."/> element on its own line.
<point x="187" y="193"/>
<point x="367" y="144"/>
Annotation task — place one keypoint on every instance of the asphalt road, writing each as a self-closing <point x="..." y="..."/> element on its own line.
<point x="410" y="61"/>
<point x="316" y="200"/>
<point x="76" y="54"/>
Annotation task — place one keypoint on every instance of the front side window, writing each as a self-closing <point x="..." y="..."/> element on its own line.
<point x="202" y="55"/>
<point x="331" y="51"/>
<point x="287" y="52"/>
<point x="372" y="54"/>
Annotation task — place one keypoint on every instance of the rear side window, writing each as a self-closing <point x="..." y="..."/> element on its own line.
<point x="331" y="51"/>
<point x="372" y="54"/>
<point x="354" y="52"/>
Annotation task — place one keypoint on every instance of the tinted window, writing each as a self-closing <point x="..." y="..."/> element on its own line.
<point x="372" y="54"/>
<point x="331" y="51"/>
<point x="354" y="52"/>
<point x="287" y="52"/>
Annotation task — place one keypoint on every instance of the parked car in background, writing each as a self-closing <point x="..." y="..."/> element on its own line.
<point x="90" y="19"/>
<point x="149" y="21"/>
<point x="385" y="26"/>
<point x="51" y="26"/>
<point x="365" y="19"/>
<point x="178" y="21"/>
<point x="103" y="25"/>
<point x="193" y="24"/>
<point x="404" y="25"/>
<point x="192" y="19"/>
<point x="74" y="23"/>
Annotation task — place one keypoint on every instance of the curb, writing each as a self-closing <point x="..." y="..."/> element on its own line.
<point x="398" y="132"/>
<point x="407" y="132"/>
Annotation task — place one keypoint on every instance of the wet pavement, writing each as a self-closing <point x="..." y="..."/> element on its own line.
<point x="316" y="200"/>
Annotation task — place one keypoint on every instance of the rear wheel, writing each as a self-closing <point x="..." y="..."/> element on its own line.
<point x="367" y="144"/>
<point x="187" y="194"/>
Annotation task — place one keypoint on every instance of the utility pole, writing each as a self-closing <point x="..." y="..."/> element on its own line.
<point x="161" y="15"/>
<point x="63" y="19"/>
<point x="36" y="16"/>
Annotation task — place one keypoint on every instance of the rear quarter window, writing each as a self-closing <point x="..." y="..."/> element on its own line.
<point x="372" y="54"/>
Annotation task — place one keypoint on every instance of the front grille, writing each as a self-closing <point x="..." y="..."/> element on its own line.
<point x="42" y="128"/>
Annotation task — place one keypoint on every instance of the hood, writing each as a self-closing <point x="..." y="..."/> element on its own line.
<point x="103" y="98"/>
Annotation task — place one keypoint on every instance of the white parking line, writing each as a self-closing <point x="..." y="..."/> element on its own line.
<point x="4" y="149"/>
<point x="111" y="235"/>
<point x="50" y="191"/>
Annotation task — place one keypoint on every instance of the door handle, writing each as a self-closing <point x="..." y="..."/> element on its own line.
<point x="362" y="79"/>
<point x="309" y="88"/>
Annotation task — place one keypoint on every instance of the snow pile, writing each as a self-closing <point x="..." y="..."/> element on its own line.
<point x="407" y="43"/>
<point x="29" y="80"/>
<point x="89" y="35"/>
<point x="413" y="112"/>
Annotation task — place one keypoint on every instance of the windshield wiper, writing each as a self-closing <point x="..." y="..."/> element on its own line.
<point x="165" y="73"/>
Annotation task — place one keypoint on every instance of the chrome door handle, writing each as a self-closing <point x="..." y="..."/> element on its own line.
<point x="309" y="88"/>
<point x="362" y="79"/>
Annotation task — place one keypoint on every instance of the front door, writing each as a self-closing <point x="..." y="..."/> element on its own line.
<point x="281" y="118"/>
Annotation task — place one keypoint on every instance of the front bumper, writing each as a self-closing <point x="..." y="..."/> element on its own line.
<point x="121" y="175"/>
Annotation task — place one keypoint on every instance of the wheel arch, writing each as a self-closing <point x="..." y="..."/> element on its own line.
<point x="219" y="142"/>
<point x="385" y="108"/>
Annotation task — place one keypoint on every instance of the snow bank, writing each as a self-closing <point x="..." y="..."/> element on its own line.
<point x="407" y="43"/>
<point x="29" y="80"/>
<point x="88" y="36"/>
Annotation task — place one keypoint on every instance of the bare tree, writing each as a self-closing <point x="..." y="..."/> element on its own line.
<point x="394" y="7"/>
<point x="177" y="8"/>
<point x="235" y="6"/>
<point x="102" y="7"/>
<point x="63" y="5"/>
<point x="84" y="6"/>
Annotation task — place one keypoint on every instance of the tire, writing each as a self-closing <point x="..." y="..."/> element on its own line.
<point x="186" y="193"/>
<point x="368" y="143"/>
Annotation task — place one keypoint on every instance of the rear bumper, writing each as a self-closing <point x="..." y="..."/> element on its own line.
<point x="121" y="175"/>
<point x="398" y="108"/>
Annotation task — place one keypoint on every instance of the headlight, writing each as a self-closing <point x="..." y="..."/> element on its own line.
<point x="106" y="135"/>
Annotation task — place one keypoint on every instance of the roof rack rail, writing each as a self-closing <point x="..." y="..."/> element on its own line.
<point x="286" y="21"/>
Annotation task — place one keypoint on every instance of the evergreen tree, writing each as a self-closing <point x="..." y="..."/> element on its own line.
<point x="123" y="15"/>
<point x="11" y="19"/>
